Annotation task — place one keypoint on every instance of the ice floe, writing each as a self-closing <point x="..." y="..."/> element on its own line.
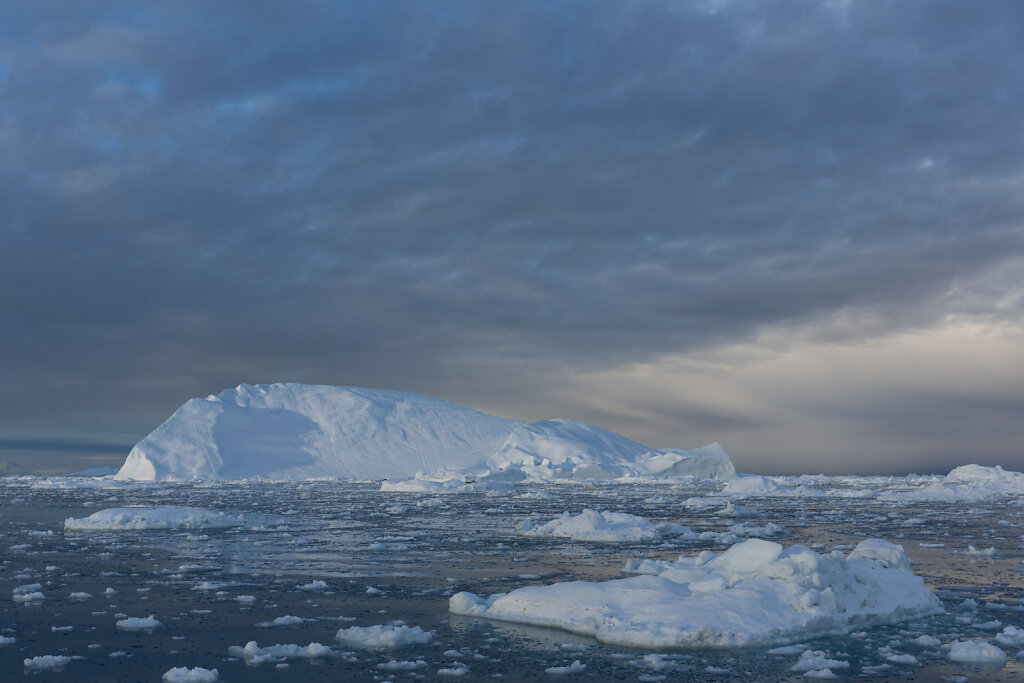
<point x="163" y="517"/>
<point x="976" y="651"/>
<point x="385" y="636"/>
<point x="138" y="623"/>
<point x="608" y="527"/>
<point x="967" y="483"/>
<point x="252" y="653"/>
<point x="184" y="674"/>
<point x="755" y="593"/>
<point x="46" y="662"/>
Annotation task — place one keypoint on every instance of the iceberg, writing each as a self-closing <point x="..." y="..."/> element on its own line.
<point x="967" y="483"/>
<point x="298" y="432"/>
<point x="756" y="593"/>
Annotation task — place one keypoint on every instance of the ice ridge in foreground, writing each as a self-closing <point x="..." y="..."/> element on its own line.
<point x="297" y="431"/>
<point x="756" y="593"/>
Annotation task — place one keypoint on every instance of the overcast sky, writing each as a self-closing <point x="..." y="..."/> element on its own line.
<point x="793" y="228"/>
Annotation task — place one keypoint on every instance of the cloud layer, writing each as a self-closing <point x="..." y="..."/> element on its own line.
<point x="495" y="202"/>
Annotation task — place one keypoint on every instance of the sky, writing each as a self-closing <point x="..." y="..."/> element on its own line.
<point x="793" y="228"/>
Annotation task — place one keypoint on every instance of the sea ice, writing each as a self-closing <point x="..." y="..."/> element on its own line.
<point x="254" y="654"/>
<point x="606" y="527"/>
<point x="967" y="483"/>
<point x="755" y="593"/>
<point x="1011" y="636"/>
<point x="183" y="674"/>
<point x="976" y="651"/>
<point x="163" y="517"/>
<point x="386" y="636"/>
<point x="28" y="593"/>
<point x="46" y="662"/>
<point x="138" y="623"/>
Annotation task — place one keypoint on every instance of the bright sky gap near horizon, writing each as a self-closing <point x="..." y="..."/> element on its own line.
<point x="793" y="228"/>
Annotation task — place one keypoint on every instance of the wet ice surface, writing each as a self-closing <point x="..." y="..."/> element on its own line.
<point x="341" y="555"/>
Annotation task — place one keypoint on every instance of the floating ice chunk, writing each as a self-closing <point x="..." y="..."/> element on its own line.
<point x="967" y="483"/>
<point x="396" y="666"/>
<point x="604" y="527"/>
<point x="977" y="651"/>
<point x="926" y="641"/>
<point x="387" y="636"/>
<point x="316" y="585"/>
<point x="80" y="596"/>
<point x="28" y="593"/>
<point x="886" y="553"/>
<point x="816" y="659"/>
<point x="574" y="668"/>
<point x="1011" y="636"/>
<point x="138" y="623"/>
<point x="46" y="662"/>
<point x="4" y="640"/>
<point x="903" y="659"/>
<point x="254" y="654"/>
<point x="764" y="596"/>
<point x="183" y="674"/>
<point x="457" y="670"/>
<point x="753" y="485"/>
<point x="161" y="517"/>
<point x="987" y="552"/>
<point x="286" y="620"/>
<point x="823" y="674"/>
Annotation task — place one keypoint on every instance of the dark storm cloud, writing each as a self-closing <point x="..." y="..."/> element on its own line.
<point x="468" y="198"/>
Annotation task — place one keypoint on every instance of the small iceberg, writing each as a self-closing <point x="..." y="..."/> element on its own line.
<point x="756" y="593"/>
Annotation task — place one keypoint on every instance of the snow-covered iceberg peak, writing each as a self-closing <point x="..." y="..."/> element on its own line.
<point x="296" y="431"/>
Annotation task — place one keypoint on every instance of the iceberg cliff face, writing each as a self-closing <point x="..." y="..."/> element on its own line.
<point x="295" y="431"/>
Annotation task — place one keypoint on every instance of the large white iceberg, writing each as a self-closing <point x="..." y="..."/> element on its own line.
<point x="296" y="431"/>
<point x="756" y="593"/>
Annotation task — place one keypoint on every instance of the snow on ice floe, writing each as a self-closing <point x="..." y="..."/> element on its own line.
<point x="162" y="517"/>
<point x="755" y="593"/>
<point x="295" y="431"/>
